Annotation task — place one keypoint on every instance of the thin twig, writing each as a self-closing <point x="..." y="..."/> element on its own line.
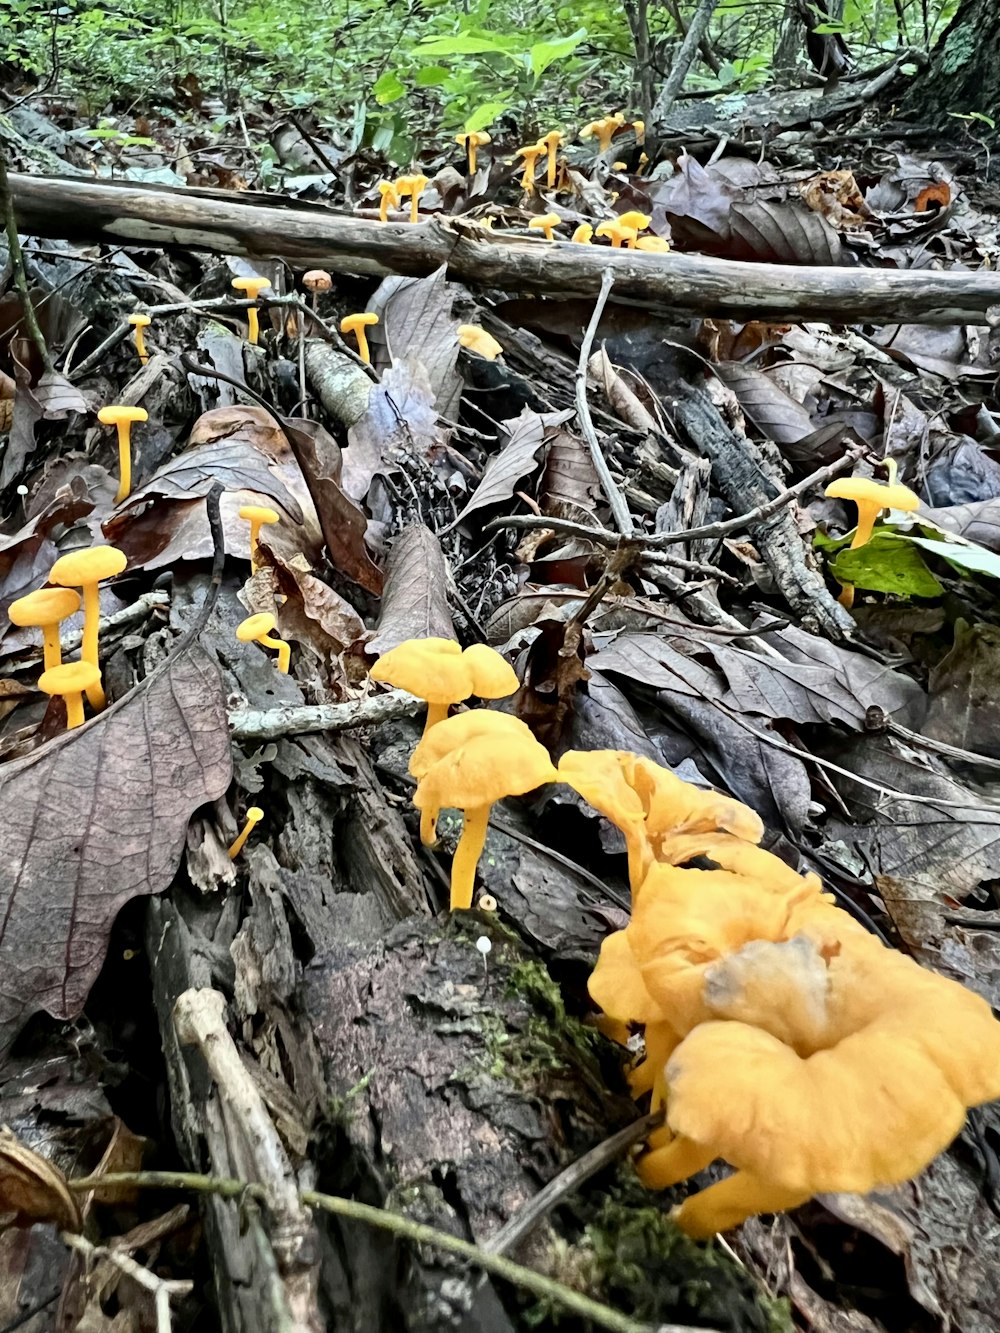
<point x="619" y="508"/>
<point x="17" y="265"/>
<point x="722" y="528"/>
<point x="161" y="1289"/>
<point x="545" y="1288"/>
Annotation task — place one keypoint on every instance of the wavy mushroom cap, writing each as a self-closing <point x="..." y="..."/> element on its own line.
<point x="455" y="731"/>
<point x="633" y="218"/>
<point x="364" y="320"/>
<point x="886" y="1059"/>
<point x="655" y="245"/>
<point x="69" y="678"/>
<point x="617" y="987"/>
<point x="46" y="606"/>
<point x="475" y="339"/>
<point x="431" y="668"/>
<point x="492" y="675"/>
<point x="80" y="568"/>
<point x="252" y="286"/>
<point x="867" y="492"/>
<point x="251" y="629"/>
<point x="599" y="777"/>
<point x="673" y="806"/>
<point x="480" y="767"/>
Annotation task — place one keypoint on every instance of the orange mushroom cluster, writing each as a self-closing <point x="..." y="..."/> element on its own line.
<point x="47" y="608"/>
<point x="781" y="1038"/>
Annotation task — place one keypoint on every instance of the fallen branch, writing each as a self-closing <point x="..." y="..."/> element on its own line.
<point x="254" y="724"/>
<point x="311" y="236"/>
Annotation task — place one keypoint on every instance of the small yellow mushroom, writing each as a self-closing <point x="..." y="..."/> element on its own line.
<point x="633" y="218"/>
<point x="470" y="141"/>
<point x="258" y="629"/>
<point x="85" y="570"/>
<point x="531" y="154"/>
<point x="257" y="516"/>
<point x="252" y="286"/>
<point x="390" y="198"/>
<point x="604" y="130"/>
<point x="643" y="163"/>
<point x="45" y="610"/>
<point x="254" y="815"/>
<point x="71" y="680"/>
<point x="653" y="245"/>
<point x="122" y="416"/>
<point x="616" y="233"/>
<point x="413" y="186"/>
<point x="357" y="324"/>
<point x="475" y="339"/>
<point x="545" y="224"/>
<point x="550" y="142"/>
<point x="583" y="234"/>
<point x="139" y="323"/>
<point x="640" y="132"/>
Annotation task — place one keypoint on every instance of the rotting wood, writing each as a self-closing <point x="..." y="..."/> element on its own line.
<point x="313" y="236"/>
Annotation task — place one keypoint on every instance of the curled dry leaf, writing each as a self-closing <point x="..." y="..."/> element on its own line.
<point x="32" y="1189"/>
<point x="517" y="457"/>
<point x="417" y="323"/>
<point x="96" y="818"/>
<point x="415" y="601"/>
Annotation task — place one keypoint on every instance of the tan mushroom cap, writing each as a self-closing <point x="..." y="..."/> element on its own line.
<point x="317" y="280"/>
<point x="80" y="568"/>
<point x="70" y="678"/>
<point x="47" y="606"/>
<point x="115" y="412"/>
<point x="251" y="629"/>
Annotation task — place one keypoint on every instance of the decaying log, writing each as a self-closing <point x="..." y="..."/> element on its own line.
<point x="265" y="226"/>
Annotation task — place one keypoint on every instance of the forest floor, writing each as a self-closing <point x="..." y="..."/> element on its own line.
<point x="628" y="503"/>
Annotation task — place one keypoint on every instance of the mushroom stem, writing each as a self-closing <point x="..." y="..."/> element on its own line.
<point x="435" y="713"/>
<point x="467" y="854"/>
<point x="253" y="326"/>
<point x="638" y="858"/>
<point x="140" y="345"/>
<point x="730" y="1202"/>
<point x="51" y="646"/>
<point x="677" y="1161"/>
<point x="428" y="827"/>
<point x="363" y="349"/>
<point x="88" y="648"/>
<point x="846" y="598"/>
<point x="867" y="514"/>
<point x="283" y="649"/>
<point x="254" y="815"/>
<point x="74" y="709"/>
<point x="125" y="455"/>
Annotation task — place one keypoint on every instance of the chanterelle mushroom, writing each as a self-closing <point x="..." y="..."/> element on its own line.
<point x="437" y="670"/>
<point x="871" y="497"/>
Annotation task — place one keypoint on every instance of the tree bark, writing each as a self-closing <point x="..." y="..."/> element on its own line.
<point x="964" y="75"/>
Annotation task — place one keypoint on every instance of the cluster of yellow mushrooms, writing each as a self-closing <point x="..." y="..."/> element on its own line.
<point x="781" y="1037"/>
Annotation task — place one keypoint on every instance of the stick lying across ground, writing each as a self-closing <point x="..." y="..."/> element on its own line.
<point x="310" y="235"/>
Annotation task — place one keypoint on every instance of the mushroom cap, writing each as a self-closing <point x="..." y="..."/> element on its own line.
<point x="391" y="188"/>
<point x="633" y="218"/>
<point x="417" y="182"/>
<point x="70" y="678"/>
<point x="317" y="280"/>
<point x="616" y="231"/>
<point x="259" y="514"/>
<point x="480" y="768"/>
<point x="886" y="1058"/>
<point x="111" y="415"/>
<point x="351" y="323"/>
<point x="47" y="606"/>
<point x="251" y="629"/>
<point x="865" y="491"/>
<point x="531" y="151"/>
<point x="475" y="339"/>
<point x="80" y="568"/>
<point x="583" y="233"/>
<point x="597" y="775"/>
<point x="673" y="806"/>
<point x="431" y="668"/>
<point x="546" y="220"/>
<point x="435" y="744"/>
<point x="477" y="137"/>
<point x="140" y="321"/>
<point x="254" y="814"/>
<point x="551" y="140"/>
<point x="657" y="245"/>
<point x="492" y="675"/>
<point x="253" y="286"/>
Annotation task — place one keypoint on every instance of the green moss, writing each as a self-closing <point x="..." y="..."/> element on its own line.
<point x="642" y="1263"/>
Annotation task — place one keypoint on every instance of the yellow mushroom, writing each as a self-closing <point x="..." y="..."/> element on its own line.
<point x="139" y="323"/>
<point x="357" y="324"/>
<point x="551" y="142"/>
<point x="257" y="516"/>
<point x="45" y="610"/>
<point x="413" y="186"/>
<point x="871" y="497"/>
<point x="633" y="218"/>
<point x="122" y="416"/>
<point x="254" y="815"/>
<point x="85" y="570"/>
<point x="389" y="191"/>
<point x="530" y="154"/>
<point x="252" y="286"/>
<point x="71" y="680"/>
<point x="616" y="233"/>
<point x="604" y="130"/>
<point x="639" y="126"/>
<point x="475" y="339"/>
<point x="258" y="629"/>
<point x="545" y="224"/>
<point x="653" y="245"/>
<point x="470" y="141"/>
<point x="583" y="234"/>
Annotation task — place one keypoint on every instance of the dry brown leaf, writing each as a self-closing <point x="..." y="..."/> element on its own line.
<point x="415" y="601"/>
<point x="517" y="457"/>
<point x="417" y="323"/>
<point x="32" y="1189"/>
<point x="774" y="412"/>
<point x="96" y="818"/>
<point x="782" y="232"/>
<point x="399" y="421"/>
<point x="569" y="479"/>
